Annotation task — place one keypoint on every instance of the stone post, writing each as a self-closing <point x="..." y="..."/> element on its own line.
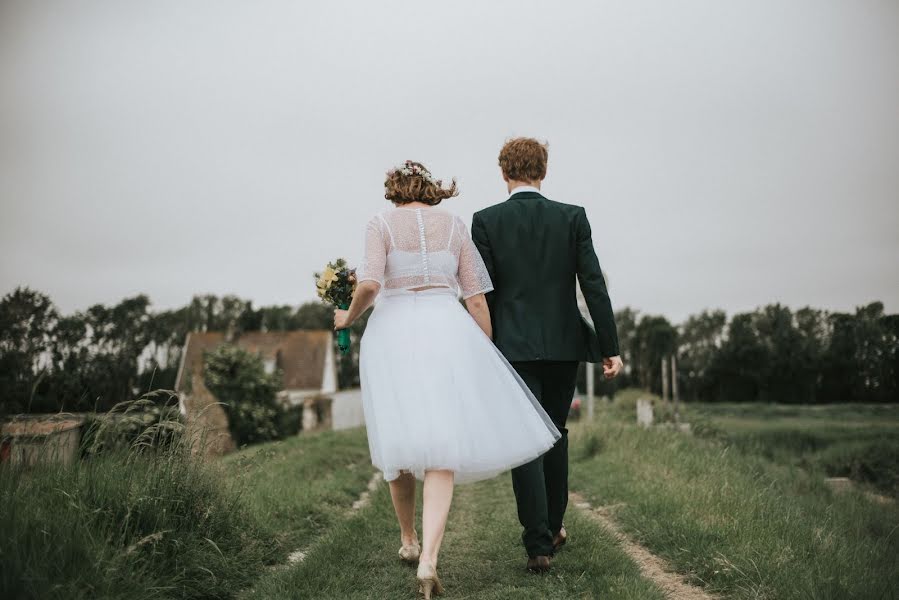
<point x="310" y="415"/>
<point x="644" y="412"/>
<point x="665" y="396"/>
<point x="324" y="406"/>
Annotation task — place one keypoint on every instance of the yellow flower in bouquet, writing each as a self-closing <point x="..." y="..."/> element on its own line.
<point x="325" y="281"/>
<point x="336" y="285"/>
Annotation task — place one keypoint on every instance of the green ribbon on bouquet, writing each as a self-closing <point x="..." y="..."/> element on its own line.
<point x="335" y="285"/>
<point x="343" y="335"/>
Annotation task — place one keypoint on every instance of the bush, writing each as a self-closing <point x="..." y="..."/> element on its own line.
<point x="626" y="400"/>
<point x="855" y="441"/>
<point x="625" y="403"/>
<point x="249" y="394"/>
<point x="290" y="421"/>
<point x="875" y="462"/>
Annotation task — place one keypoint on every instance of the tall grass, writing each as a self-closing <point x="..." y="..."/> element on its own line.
<point x="139" y="521"/>
<point x="856" y="441"/>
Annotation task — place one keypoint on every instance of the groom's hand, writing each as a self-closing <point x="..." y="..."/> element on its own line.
<point x="611" y="366"/>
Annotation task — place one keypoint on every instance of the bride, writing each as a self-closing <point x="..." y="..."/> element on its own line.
<point x="441" y="403"/>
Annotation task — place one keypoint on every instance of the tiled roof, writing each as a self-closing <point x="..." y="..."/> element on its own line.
<point x="300" y="355"/>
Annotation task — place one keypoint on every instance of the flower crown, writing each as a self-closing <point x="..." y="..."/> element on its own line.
<point x="409" y="168"/>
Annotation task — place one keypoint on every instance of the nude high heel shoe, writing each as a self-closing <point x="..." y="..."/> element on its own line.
<point x="428" y="581"/>
<point x="410" y="552"/>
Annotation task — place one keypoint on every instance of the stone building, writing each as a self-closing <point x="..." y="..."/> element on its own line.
<point x="34" y="439"/>
<point x="309" y="375"/>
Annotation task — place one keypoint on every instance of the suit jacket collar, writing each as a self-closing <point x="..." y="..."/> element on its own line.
<point x="524" y="188"/>
<point x="526" y="195"/>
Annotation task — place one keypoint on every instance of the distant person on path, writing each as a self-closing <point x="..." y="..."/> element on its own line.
<point x="441" y="403"/>
<point x="534" y="250"/>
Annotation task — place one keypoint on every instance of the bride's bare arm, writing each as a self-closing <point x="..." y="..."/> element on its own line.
<point x="364" y="297"/>
<point x="477" y="308"/>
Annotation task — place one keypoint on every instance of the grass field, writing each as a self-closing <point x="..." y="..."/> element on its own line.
<point x="481" y="558"/>
<point x="845" y="440"/>
<point x="733" y="520"/>
<point x="740" y="509"/>
<point x="166" y="526"/>
<point x="129" y="527"/>
<point x="301" y="487"/>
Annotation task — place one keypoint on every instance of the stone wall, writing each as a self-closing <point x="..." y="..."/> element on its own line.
<point x="40" y="440"/>
<point x="346" y="411"/>
<point x="207" y="422"/>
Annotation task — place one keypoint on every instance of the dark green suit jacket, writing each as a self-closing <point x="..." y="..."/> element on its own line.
<point x="534" y="249"/>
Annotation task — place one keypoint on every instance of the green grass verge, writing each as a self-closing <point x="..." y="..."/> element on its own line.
<point x="481" y="558"/>
<point x="126" y="527"/>
<point x="736" y="522"/>
<point x="164" y="525"/>
<point x="302" y="486"/>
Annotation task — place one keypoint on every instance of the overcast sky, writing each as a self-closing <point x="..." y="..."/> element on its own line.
<point x="729" y="153"/>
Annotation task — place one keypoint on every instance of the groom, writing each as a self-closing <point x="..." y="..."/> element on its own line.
<point x="534" y="249"/>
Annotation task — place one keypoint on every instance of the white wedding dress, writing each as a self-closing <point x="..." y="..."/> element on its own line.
<point x="436" y="392"/>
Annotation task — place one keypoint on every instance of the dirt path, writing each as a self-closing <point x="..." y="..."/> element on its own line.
<point x="361" y="502"/>
<point x="651" y="566"/>
<point x="481" y="558"/>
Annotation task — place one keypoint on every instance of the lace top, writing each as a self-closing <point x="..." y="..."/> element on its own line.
<point x="409" y="248"/>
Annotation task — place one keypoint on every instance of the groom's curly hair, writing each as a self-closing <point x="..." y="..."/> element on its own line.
<point x="524" y="159"/>
<point x="403" y="189"/>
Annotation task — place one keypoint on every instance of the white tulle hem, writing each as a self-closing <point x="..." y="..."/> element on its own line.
<point x="437" y="394"/>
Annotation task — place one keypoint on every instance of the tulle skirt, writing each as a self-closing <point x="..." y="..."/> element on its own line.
<point x="437" y="394"/>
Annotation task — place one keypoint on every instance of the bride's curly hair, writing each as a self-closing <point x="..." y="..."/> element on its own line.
<point x="412" y="182"/>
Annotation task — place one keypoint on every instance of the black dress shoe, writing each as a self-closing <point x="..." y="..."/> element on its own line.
<point x="538" y="564"/>
<point x="559" y="539"/>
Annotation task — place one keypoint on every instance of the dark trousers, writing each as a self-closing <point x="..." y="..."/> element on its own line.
<point x="541" y="486"/>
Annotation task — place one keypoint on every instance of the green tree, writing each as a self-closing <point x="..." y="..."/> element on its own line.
<point x="700" y="338"/>
<point x="67" y="385"/>
<point x="314" y="315"/>
<point x="238" y="379"/>
<point x="890" y="325"/>
<point x="875" y="347"/>
<point x="166" y="331"/>
<point x="813" y="330"/>
<point x="117" y="337"/>
<point x="654" y="339"/>
<point x="787" y="373"/>
<point x="737" y="368"/>
<point x="27" y="318"/>
<point x="277" y="318"/>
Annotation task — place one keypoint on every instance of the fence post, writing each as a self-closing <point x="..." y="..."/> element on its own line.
<point x="674" y="387"/>
<point x="591" y="401"/>
<point x="665" y="396"/>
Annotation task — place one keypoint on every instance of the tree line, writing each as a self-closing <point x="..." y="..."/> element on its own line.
<point x="98" y="357"/>
<point x="772" y="354"/>
<point x="93" y="359"/>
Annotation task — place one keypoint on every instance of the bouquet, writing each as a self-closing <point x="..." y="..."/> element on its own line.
<point x="336" y="285"/>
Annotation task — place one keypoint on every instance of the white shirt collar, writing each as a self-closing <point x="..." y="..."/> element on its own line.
<point x="524" y="188"/>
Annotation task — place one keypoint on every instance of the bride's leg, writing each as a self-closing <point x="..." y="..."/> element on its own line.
<point x="402" y="491"/>
<point x="438" y="495"/>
